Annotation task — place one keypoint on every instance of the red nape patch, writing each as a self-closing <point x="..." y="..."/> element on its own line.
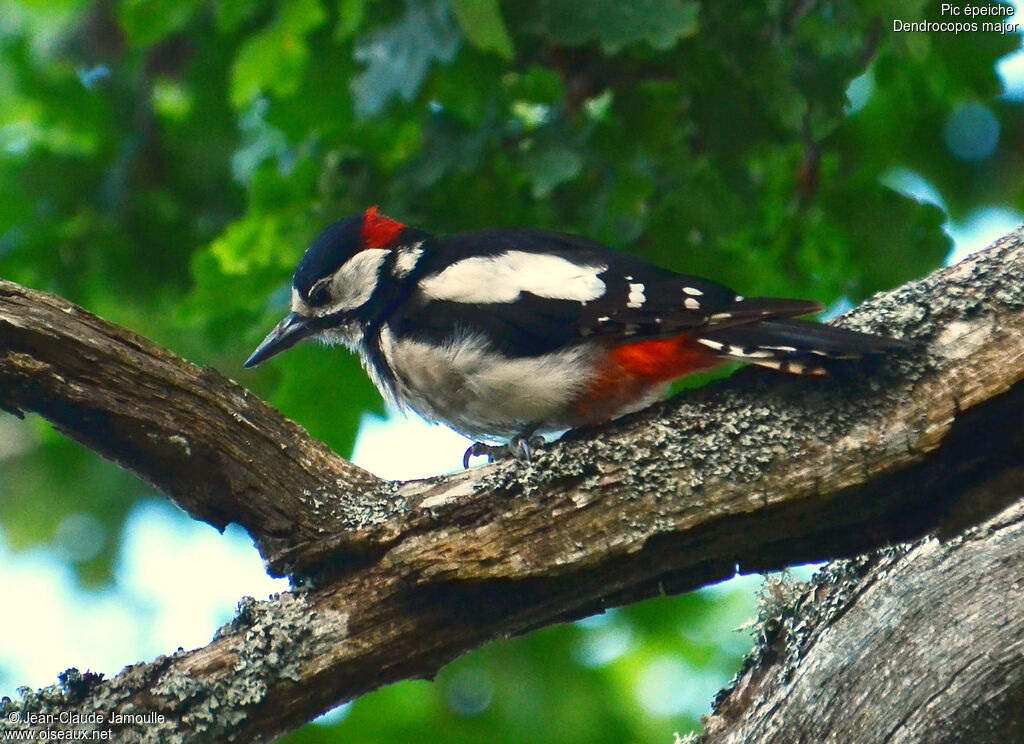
<point x="379" y="231"/>
<point x="664" y="360"/>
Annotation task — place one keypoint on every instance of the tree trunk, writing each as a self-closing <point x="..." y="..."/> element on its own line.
<point x="912" y="644"/>
<point x="757" y="472"/>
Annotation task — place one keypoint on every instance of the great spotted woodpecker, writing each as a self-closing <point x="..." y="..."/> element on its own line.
<point x="503" y="334"/>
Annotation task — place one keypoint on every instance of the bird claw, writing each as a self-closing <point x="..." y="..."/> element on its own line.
<point x="478" y="449"/>
<point x="521" y="448"/>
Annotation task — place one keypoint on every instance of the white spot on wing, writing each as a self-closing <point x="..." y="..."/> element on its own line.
<point x="691" y="304"/>
<point x="739" y="353"/>
<point x="502" y="278"/>
<point x="692" y="291"/>
<point x="711" y="344"/>
<point x="636" y="296"/>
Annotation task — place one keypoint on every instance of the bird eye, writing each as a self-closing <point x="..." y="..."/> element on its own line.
<point x="320" y="293"/>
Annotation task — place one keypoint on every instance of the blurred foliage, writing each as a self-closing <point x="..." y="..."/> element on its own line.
<point x="625" y="676"/>
<point x="165" y="162"/>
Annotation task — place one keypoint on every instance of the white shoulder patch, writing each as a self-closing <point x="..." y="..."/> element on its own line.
<point x="406" y="259"/>
<point x="502" y="278"/>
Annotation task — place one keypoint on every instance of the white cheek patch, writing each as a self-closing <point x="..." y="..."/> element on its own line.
<point x="353" y="284"/>
<point x="502" y="278"/>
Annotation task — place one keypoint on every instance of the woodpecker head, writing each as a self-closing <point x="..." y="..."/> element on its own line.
<point x="335" y="291"/>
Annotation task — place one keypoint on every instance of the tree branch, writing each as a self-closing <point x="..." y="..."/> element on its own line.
<point x="919" y="643"/>
<point x="758" y="472"/>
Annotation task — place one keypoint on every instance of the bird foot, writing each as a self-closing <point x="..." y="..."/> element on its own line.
<point x="521" y="448"/>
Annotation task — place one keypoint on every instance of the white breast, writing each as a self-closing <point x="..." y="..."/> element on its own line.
<point x="480" y="392"/>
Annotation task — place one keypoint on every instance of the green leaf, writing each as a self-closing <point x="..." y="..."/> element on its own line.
<point x="905" y="241"/>
<point x="447" y="145"/>
<point x="350" y="17"/>
<point x="536" y="85"/>
<point x="146" y="22"/>
<point x="483" y="25"/>
<point x="550" y="166"/>
<point x="615" y="24"/>
<point x="399" y="57"/>
<point x="299" y="17"/>
<point x="271" y="62"/>
<point x="274" y="60"/>
<point x="247" y="245"/>
<point x="231" y="14"/>
<point x="469" y="89"/>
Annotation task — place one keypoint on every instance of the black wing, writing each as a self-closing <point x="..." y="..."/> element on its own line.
<point x="527" y="315"/>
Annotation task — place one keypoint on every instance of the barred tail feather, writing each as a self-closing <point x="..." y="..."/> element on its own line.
<point x="796" y="346"/>
<point x="757" y="309"/>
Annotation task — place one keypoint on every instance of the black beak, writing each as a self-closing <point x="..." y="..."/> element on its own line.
<point x="285" y="335"/>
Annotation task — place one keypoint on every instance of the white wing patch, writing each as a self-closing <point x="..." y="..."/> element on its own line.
<point x="504" y="277"/>
<point x="636" y="296"/>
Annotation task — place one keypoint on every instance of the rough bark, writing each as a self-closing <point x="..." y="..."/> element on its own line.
<point x="920" y="643"/>
<point x="757" y="472"/>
